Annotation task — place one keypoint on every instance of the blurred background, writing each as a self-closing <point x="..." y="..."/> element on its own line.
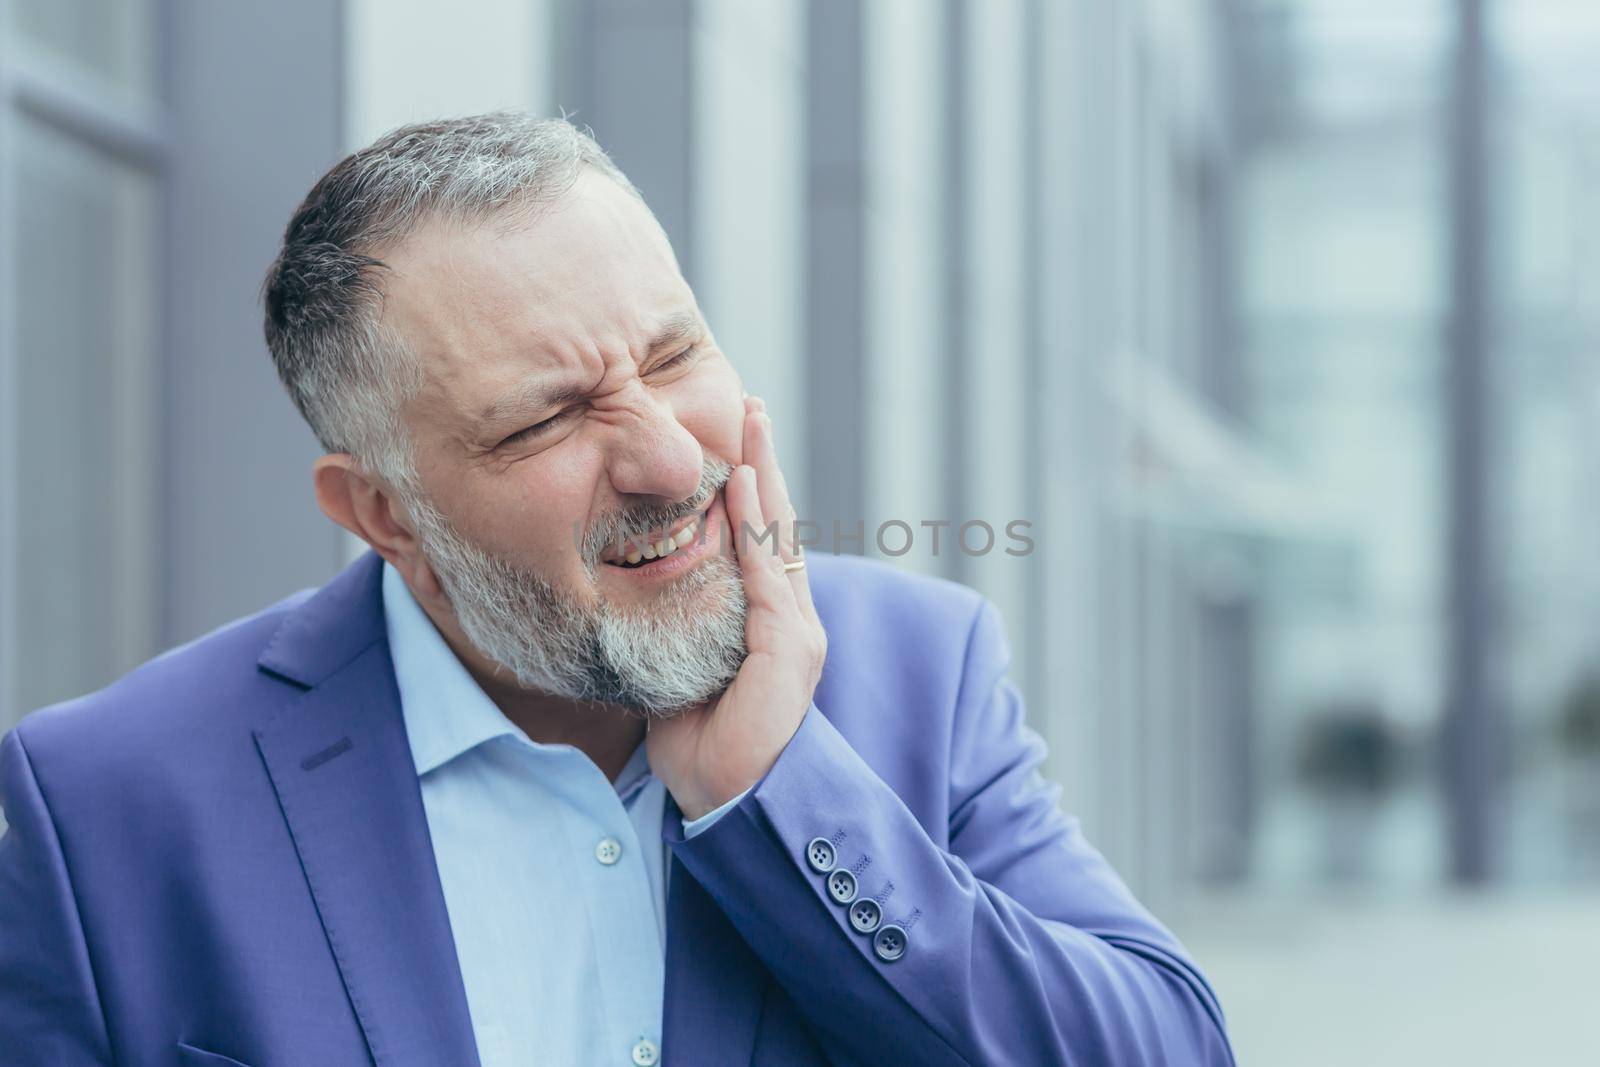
<point x="1274" y="318"/>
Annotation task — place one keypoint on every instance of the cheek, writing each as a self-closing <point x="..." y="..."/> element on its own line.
<point x="521" y="515"/>
<point x="712" y="409"/>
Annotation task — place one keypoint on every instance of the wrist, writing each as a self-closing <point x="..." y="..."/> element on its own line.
<point x="698" y="802"/>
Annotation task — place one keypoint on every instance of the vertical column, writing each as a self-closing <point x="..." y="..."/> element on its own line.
<point x="1123" y="572"/>
<point x="996" y="367"/>
<point x="835" y="224"/>
<point x="1226" y="745"/>
<point x="907" y="445"/>
<point x="1061" y="129"/>
<point x="1081" y="253"/>
<point x="1038" y="465"/>
<point x="956" y="303"/>
<point x="1473" y="726"/>
<point x="628" y="72"/>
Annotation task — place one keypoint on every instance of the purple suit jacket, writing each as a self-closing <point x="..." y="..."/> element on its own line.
<point x="223" y="858"/>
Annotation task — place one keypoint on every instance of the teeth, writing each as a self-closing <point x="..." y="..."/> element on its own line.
<point x="664" y="547"/>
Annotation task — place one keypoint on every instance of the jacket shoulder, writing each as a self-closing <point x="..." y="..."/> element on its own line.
<point x="854" y="594"/>
<point x="207" y="683"/>
<point x="895" y="638"/>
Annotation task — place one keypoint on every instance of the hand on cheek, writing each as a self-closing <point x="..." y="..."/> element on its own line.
<point x="710" y="754"/>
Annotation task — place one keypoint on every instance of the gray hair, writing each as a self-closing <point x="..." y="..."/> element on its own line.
<point x="348" y="373"/>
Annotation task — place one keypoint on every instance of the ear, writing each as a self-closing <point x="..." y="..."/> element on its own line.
<point x="364" y="506"/>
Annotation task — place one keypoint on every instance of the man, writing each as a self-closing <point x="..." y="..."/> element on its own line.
<point x="576" y="766"/>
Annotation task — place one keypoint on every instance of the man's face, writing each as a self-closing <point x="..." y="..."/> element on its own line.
<point x="571" y="390"/>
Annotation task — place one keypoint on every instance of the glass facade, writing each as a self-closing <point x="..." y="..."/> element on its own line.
<point x="1342" y="298"/>
<point x="1547" y="397"/>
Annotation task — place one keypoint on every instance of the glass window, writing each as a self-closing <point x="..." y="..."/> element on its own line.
<point x="1343" y="292"/>
<point x="1546" y="405"/>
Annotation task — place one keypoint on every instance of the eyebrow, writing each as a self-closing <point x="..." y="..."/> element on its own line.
<point x="678" y="329"/>
<point x="538" y="395"/>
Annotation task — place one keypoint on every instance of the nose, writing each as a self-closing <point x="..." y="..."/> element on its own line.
<point x="655" y="455"/>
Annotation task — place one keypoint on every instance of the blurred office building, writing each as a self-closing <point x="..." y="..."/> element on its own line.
<point x="1274" y="320"/>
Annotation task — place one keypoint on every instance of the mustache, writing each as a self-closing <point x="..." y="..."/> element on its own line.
<point x="613" y="528"/>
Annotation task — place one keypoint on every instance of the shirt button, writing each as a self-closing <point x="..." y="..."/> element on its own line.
<point x="609" y="851"/>
<point x="645" y="1053"/>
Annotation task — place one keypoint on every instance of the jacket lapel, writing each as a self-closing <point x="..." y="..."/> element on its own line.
<point x="715" y="985"/>
<point x="340" y="763"/>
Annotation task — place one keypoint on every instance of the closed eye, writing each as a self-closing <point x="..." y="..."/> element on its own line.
<point x="539" y="429"/>
<point x="678" y="360"/>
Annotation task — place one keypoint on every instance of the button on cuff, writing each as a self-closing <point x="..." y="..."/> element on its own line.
<point x="820" y="854"/>
<point x="842" y="886"/>
<point x="889" y="943"/>
<point x="865" y="915"/>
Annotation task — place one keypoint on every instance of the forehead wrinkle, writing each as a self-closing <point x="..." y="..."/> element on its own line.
<point x="540" y="392"/>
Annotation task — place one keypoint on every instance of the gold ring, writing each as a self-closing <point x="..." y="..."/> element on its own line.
<point x="797" y="565"/>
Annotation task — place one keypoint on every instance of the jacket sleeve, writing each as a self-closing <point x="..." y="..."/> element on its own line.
<point x="49" y="1009"/>
<point x="1016" y="944"/>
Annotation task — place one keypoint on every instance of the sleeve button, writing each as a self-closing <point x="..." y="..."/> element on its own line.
<point x="820" y="855"/>
<point x="865" y="915"/>
<point x="890" y="943"/>
<point x="842" y="886"/>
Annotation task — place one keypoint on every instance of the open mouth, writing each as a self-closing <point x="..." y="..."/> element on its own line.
<point x="657" y="545"/>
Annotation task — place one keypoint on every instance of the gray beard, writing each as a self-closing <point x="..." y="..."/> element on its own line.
<point x="657" y="659"/>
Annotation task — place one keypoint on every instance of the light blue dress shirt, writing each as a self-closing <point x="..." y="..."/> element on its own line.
<point x="554" y="878"/>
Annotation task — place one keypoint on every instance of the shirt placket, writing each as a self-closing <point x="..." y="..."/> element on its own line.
<point x="605" y="850"/>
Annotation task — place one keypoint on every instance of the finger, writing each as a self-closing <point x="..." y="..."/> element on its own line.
<point x="760" y="453"/>
<point x="773" y="488"/>
<point x="759" y="565"/>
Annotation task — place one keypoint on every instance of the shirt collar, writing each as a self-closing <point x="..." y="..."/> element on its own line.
<point x="446" y="711"/>
<point x="635" y="775"/>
